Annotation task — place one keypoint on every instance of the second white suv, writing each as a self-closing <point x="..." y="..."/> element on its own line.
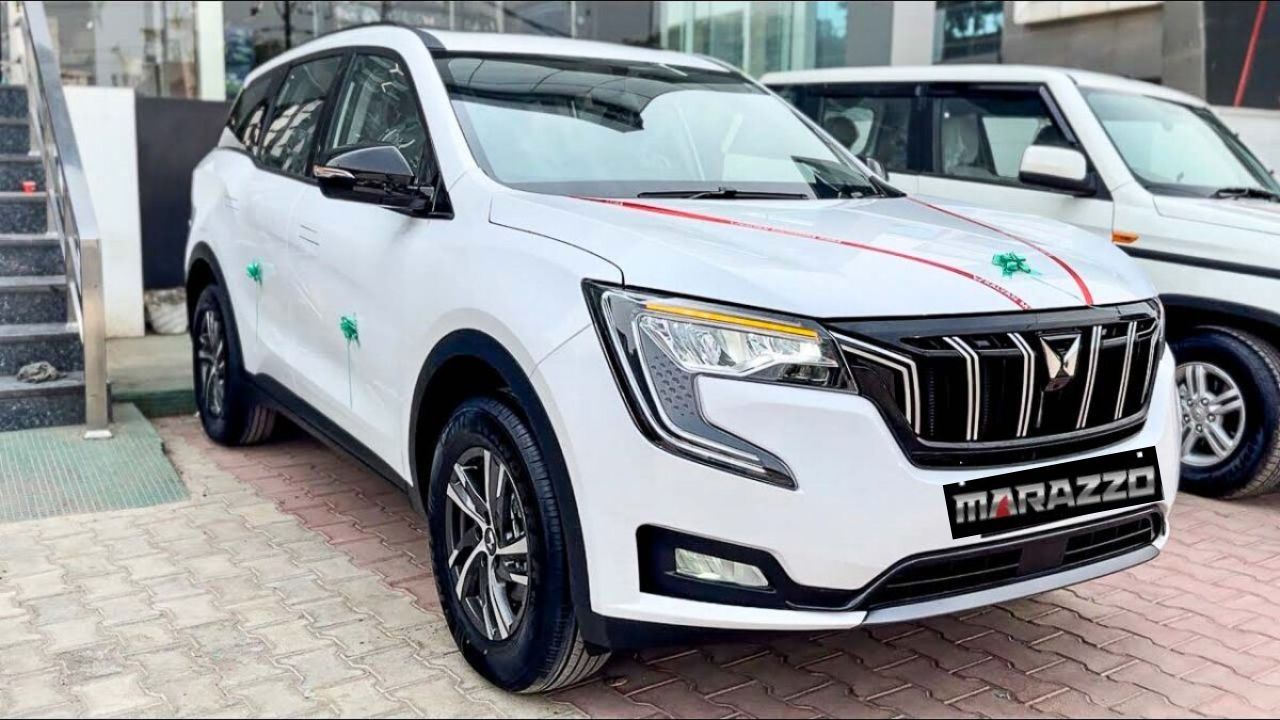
<point x="1148" y="167"/>
<point x="652" y="353"/>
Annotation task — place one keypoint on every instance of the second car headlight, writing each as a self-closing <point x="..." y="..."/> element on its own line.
<point x="659" y="346"/>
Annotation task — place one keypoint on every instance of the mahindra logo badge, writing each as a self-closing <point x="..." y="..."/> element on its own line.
<point x="1061" y="356"/>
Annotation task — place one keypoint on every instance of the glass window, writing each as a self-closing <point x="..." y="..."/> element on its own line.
<point x="377" y="106"/>
<point x="875" y="126"/>
<point x="830" y="33"/>
<point x="637" y="129"/>
<point x="245" y="121"/>
<point x="286" y="144"/>
<point x="148" y="46"/>
<point x="1176" y="149"/>
<point x="983" y="137"/>
<point x="968" y="30"/>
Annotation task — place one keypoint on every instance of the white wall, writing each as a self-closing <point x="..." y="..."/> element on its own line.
<point x="103" y="119"/>
<point x="1259" y="129"/>
<point x="912" y="33"/>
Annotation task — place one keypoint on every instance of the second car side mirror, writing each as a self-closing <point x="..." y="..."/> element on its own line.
<point x="377" y="174"/>
<point x="1056" y="168"/>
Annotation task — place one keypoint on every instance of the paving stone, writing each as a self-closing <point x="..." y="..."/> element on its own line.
<point x="291" y="583"/>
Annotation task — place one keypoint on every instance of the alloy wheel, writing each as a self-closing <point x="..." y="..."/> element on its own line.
<point x="211" y="357"/>
<point x="1213" y="413"/>
<point x="486" y="543"/>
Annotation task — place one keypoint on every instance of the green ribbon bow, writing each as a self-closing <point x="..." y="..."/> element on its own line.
<point x="254" y="271"/>
<point x="351" y="331"/>
<point x="1010" y="263"/>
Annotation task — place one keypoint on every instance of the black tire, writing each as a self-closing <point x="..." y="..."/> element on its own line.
<point x="544" y="649"/>
<point x="235" y="417"/>
<point x="1254" y="365"/>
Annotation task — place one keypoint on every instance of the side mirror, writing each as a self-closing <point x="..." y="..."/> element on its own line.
<point x="875" y="166"/>
<point x="378" y="174"/>
<point x="1056" y="168"/>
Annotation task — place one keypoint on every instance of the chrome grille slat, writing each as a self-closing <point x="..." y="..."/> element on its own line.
<point x="974" y="371"/>
<point x="1130" y="336"/>
<point x="1095" y="345"/>
<point x="903" y="365"/>
<point x="1028" y="382"/>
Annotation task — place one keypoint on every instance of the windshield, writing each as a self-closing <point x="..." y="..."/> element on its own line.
<point x="624" y="129"/>
<point x="1176" y="149"/>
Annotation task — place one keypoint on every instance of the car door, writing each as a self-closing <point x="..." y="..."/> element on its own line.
<point x="874" y="120"/>
<point x="349" y="316"/>
<point x="979" y="134"/>
<point x="283" y="160"/>
<point x="240" y="242"/>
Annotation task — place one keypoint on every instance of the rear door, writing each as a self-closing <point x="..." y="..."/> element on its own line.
<point x="977" y="135"/>
<point x="284" y="160"/>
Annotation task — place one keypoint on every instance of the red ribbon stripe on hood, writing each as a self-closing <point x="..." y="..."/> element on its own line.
<point x="1085" y="294"/>
<point x="673" y="212"/>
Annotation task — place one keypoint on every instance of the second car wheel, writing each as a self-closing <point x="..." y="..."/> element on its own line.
<point x="1229" y="403"/>
<point x="498" y="551"/>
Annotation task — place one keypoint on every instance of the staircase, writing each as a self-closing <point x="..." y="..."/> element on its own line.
<point x="33" y="287"/>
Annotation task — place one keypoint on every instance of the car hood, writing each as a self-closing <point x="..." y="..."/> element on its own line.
<point x="837" y="258"/>
<point x="1242" y="214"/>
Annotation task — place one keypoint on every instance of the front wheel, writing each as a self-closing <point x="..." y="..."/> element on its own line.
<point x="1229" y="404"/>
<point x="498" y="550"/>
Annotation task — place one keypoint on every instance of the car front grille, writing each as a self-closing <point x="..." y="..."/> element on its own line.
<point x="981" y="568"/>
<point x="1041" y="383"/>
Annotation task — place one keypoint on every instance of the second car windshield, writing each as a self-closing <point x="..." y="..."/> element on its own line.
<point x="626" y="129"/>
<point x="1176" y="149"/>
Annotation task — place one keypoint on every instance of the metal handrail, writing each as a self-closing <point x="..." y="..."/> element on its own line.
<point x="71" y="214"/>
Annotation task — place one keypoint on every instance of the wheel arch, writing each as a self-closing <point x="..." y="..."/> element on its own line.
<point x="203" y="270"/>
<point x="1187" y="312"/>
<point x="461" y="364"/>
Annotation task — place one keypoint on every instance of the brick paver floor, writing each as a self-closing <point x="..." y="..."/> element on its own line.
<point x="293" y="583"/>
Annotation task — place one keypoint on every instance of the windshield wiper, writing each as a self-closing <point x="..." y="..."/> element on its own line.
<point x="723" y="193"/>
<point x="1235" y="193"/>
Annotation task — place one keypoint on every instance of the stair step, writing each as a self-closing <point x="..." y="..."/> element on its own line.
<point x="14" y="169"/>
<point x="57" y="402"/>
<point x="55" y="343"/>
<point x="15" y="137"/>
<point x="33" y="299"/>
<point x="32" y="254"/>
<point x="13" y="101"/>
<point x="23" y="212"/>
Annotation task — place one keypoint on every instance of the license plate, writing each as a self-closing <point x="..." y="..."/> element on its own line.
<point x="1026" y="498"/>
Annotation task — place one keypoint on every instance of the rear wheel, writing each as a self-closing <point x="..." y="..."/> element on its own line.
<point x="228" y="411"/>
<point x="499" y="555"/>
<point x="1229" y="403"/>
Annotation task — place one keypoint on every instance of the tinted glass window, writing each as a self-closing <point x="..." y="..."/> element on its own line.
<point x="377" y="107"/>
<point x="245" y="121"/>
<point x="982" y="137"/>
<point x="876" y="126"/>
<point x="286" y="144"/>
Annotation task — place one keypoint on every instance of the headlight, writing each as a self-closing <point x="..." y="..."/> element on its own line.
<point x="659" y="346"/>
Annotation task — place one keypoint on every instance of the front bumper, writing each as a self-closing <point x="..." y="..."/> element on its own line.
<point x="861" y="506"/>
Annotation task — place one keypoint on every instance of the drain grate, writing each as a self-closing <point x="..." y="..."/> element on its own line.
<point x="54" y="471"/>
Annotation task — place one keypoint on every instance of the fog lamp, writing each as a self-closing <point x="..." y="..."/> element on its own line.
<point x="708" y="567"/>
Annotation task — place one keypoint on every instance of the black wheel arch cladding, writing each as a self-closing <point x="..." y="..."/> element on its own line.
<point x="474" y="344"/>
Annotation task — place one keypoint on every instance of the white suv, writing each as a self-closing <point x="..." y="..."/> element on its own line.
<point x="1150" y="168"/>
<point x="652" y="353"/>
